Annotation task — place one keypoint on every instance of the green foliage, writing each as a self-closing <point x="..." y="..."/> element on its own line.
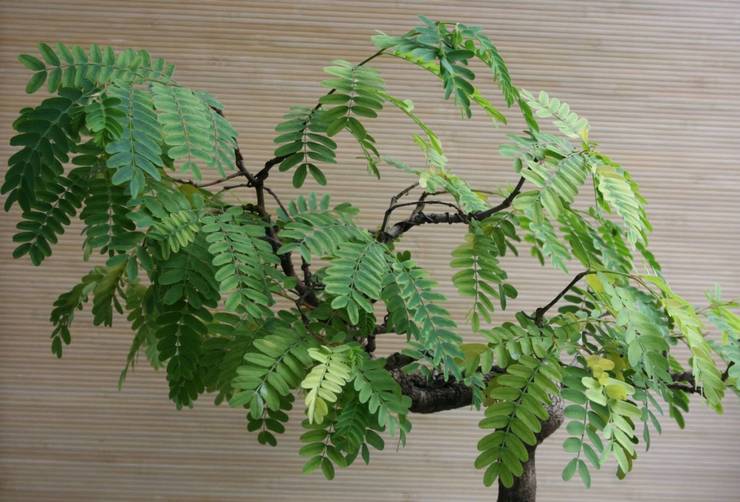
<point x="705" y="370"/>
<point x="566" y="120"/>
<point x="546" y="243"/>
<point x="181" y="328"/>
<point x="446" y="54"/>
<point x="271" y="422"/>
<point x="229" y="338"/>
<point x="509" y="342"/>
<point x="304" y="142"/>
<point x="314" y="230"/>
<point x="481" y="277"/>
<point x="53" y="209"/>
<point x="64" y="309"/>
<point x="407" y="107"/>
<point x="187" y="128"/>
<point x="430" y="324"/>
<point x="439" y="178"/>
<point x="142" y="324"/>
<point x="173" y="220"/>
<point x="325" y="381"/>
<point x="274" y="367"/>
<point x="619" y="430"/>
<point x="246" y="265"/>
<point x="186" y="290"/>
<point x="105" y="213"/>
<point x="357" y="95"/>
<point x="381" y="393"/>
<point x="137" y="152"/>
<point x="358" y="92"/>
<point x="356" y="430"/>
<point x="586" y="421"/>
<point x="221" y="139"/>
<point x="47" y="135"/>
<point x="355" y="277"/>
<point x="321" y="448"/>
<point x="558" y="182"/>
<point x="486" y="51"/>
<point x="253" y="307"/>
<point x="443" y="53"/>
<point x="176" y="230"/>
<point x="349" y="430"/>
<point x="643" y="325"/>
<point x="104" y="118"/>
<point x="64" y="66"/>
<point x="619" y="192"/>
<point x="519" y="399"/>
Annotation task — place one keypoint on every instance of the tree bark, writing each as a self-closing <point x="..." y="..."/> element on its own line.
<point x="434" y="395"/>
<point x="524" y="488"/>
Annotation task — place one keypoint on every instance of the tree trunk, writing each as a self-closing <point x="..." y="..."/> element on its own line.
<point x="524" y="488"/>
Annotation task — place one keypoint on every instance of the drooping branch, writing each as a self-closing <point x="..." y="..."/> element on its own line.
<point x="421" y="218"/>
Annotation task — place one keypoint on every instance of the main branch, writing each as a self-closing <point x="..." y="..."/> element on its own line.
<point x="434" y="395"/>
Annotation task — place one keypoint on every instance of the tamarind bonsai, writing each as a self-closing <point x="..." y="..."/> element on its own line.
<point x="260" y="309"/>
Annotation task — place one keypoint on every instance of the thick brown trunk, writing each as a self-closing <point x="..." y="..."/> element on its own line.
<point x="524" y="488"/>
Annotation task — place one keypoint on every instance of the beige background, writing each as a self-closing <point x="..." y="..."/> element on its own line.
<point x="659" y="82"/>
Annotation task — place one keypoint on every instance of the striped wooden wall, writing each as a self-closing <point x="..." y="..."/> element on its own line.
<point x="659" y="81"/>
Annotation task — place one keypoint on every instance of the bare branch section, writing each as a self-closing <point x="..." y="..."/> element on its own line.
<point x="421" y="218"/>
<point x="209" y="183"/>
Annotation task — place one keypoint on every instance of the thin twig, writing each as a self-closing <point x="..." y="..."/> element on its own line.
<point x="420" y="203"/>
<point x="540" y="312"/>
<point x="393" y="202"/>
<point x="209" y="183"/>
<point x="277" y="199"/>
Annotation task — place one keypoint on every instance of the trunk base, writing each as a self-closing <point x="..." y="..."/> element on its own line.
<point x="524" y="488"/>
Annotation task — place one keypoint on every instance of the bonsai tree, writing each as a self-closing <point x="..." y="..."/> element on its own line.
<point x="269" y="311"/>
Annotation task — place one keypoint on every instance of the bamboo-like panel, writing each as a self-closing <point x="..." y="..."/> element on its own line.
<point x="658" y="81"/>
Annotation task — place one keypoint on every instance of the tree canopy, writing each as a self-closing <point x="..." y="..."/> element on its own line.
<point x="261" y="309"/>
